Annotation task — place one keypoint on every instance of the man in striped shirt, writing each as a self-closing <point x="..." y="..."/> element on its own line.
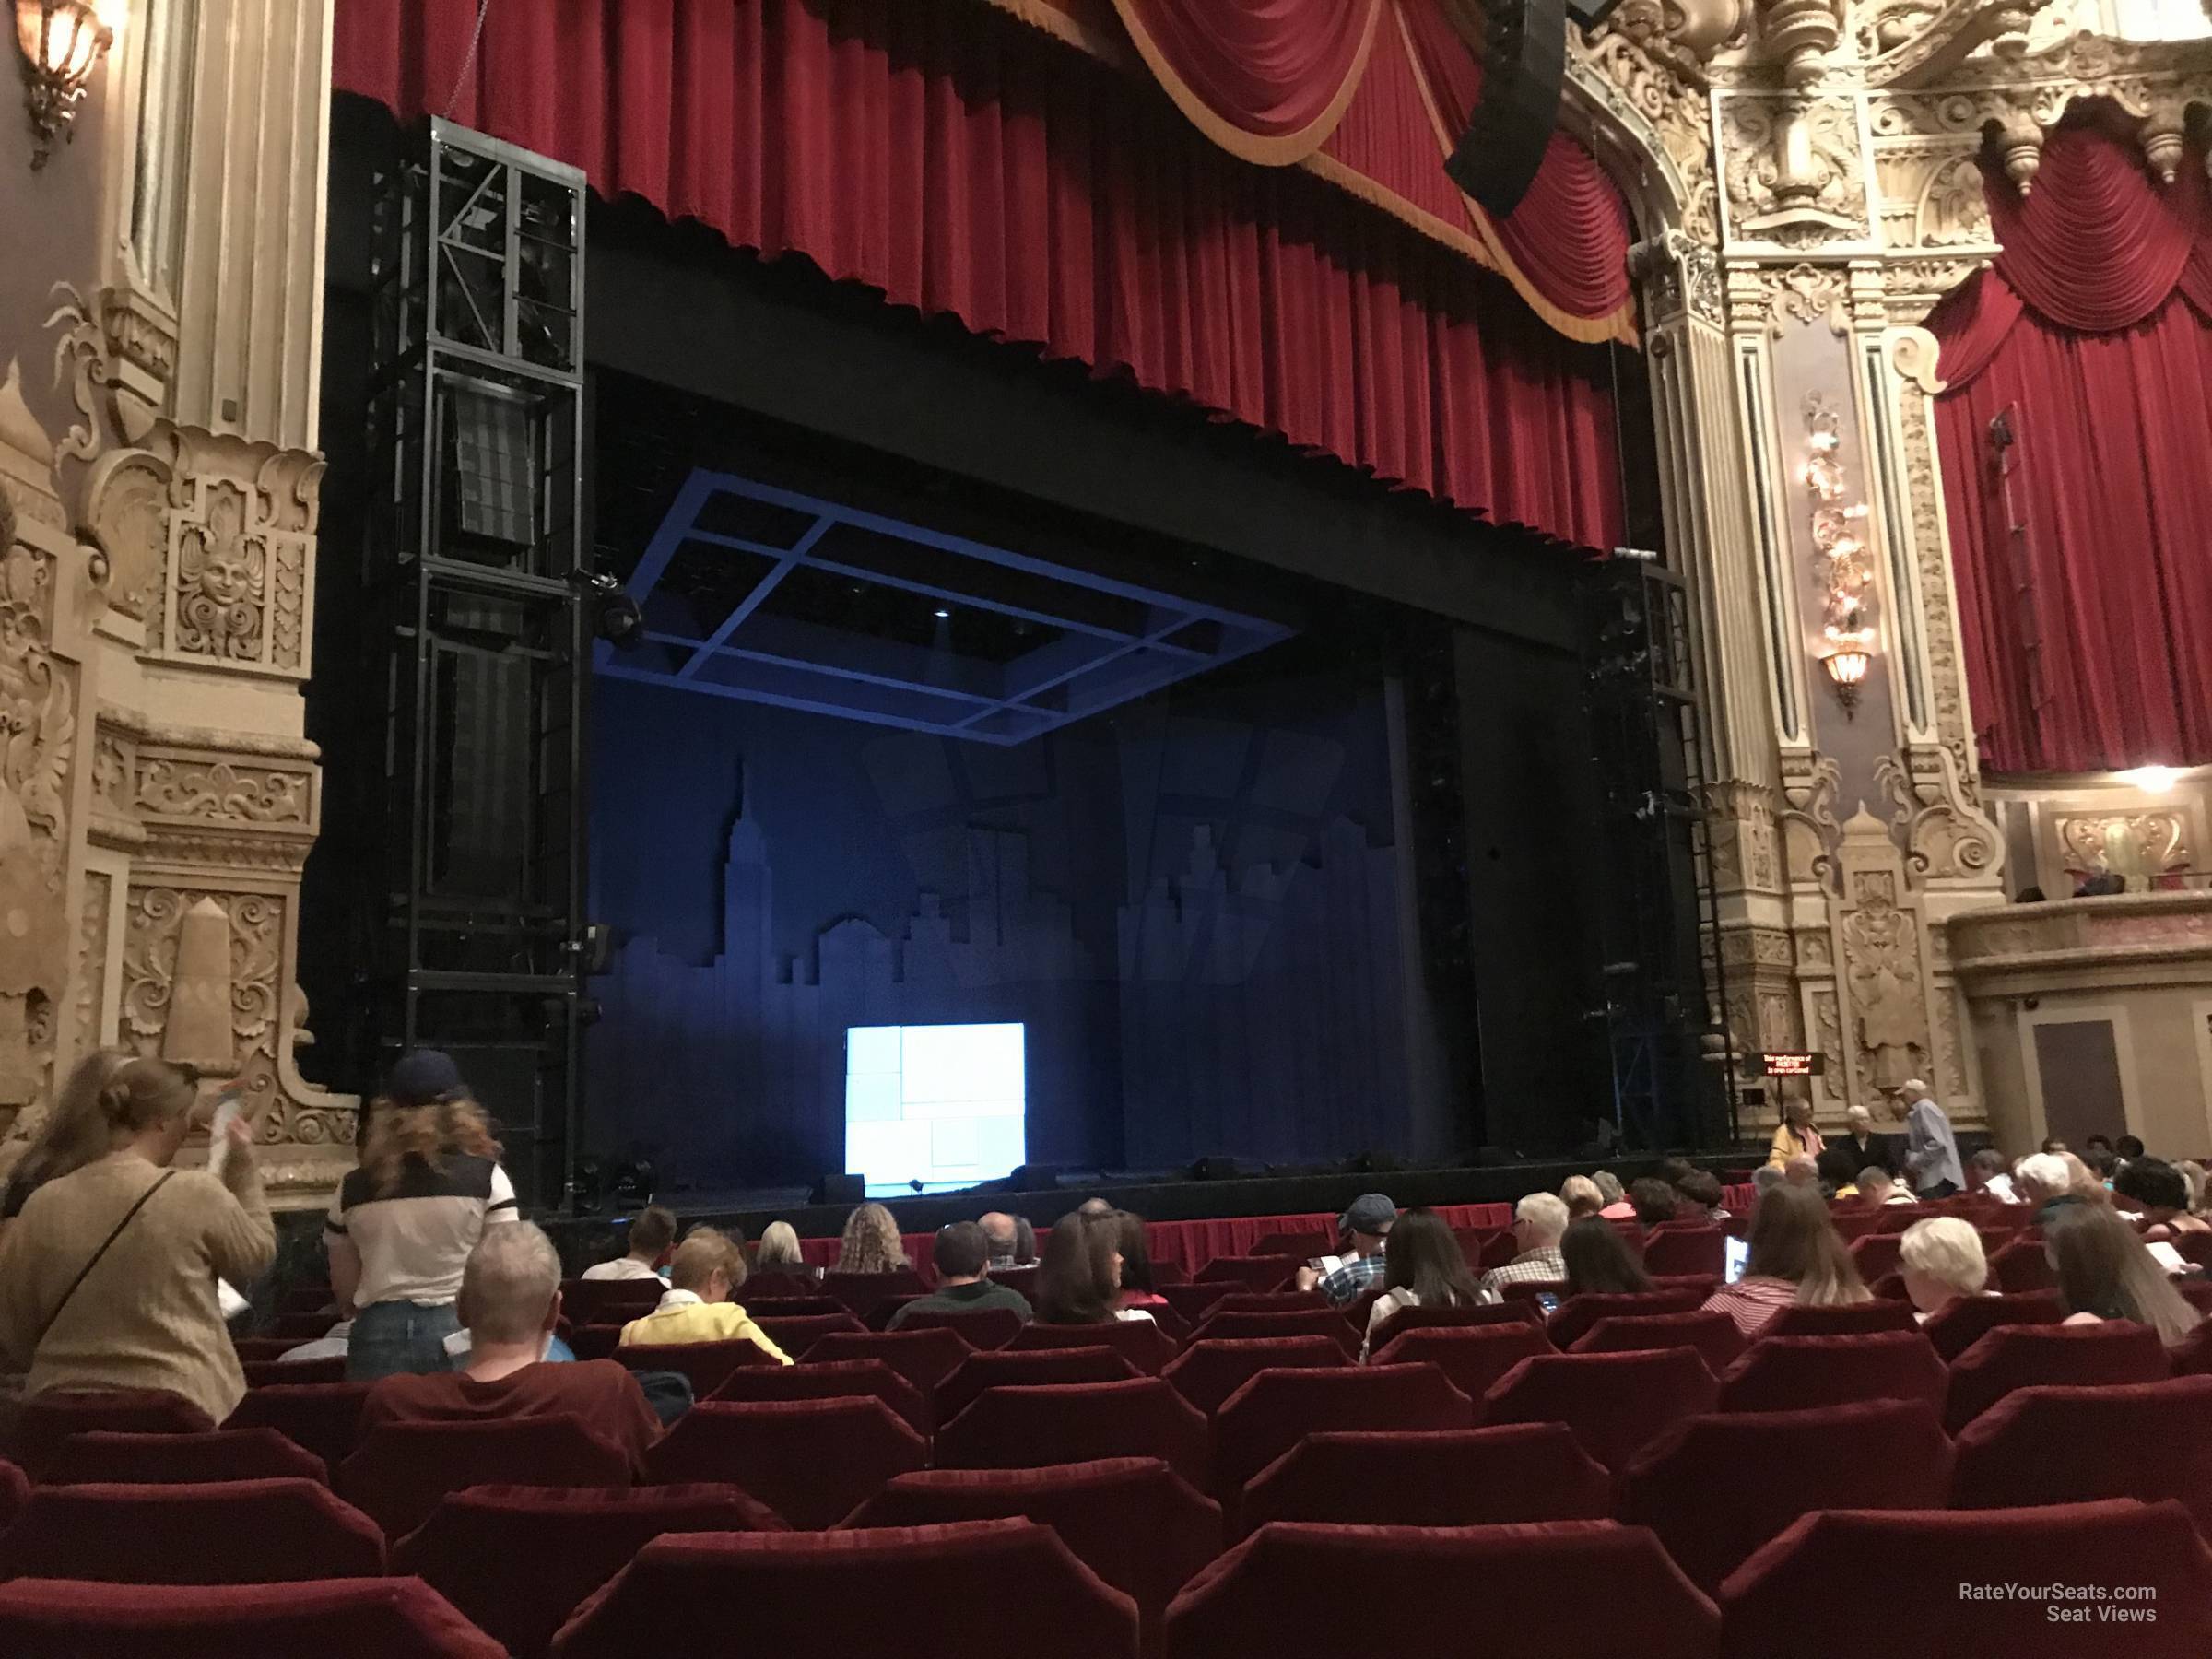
<point x="1539" y="1223"/>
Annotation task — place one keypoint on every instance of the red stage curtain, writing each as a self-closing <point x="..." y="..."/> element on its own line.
<point x="985" y="172"/>
<point x="2085" y="641"/>
<point x="1267" y="80"/>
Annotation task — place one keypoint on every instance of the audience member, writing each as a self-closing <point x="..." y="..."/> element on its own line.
<point x="1137" y="1288"/>
<point x="2194" y="1173"/>
<point x="2084" y="1182"/>
<point x="1931" y="1149"/>
<point x="2128" y="1147"/>
<point x="998" y="1234"/>
<point x="1593" y="1257"/>
<point x="1876" y="1188"/>
<point x="1986" y="1173"/>
<point x="1092" y="1208"/>
<point x="510" y="1300"/>
<point x="1859" y="1143"/>
<point x="402" y="1225"/>
<point x="1364" y="1227"/>
<point x="2161" y="1192"/>
<point x="1618" y="1207"/>
<point x="1579" y="1195"/>
<point x="2105" y="1272"/>
<point x="1764" y="1180"/>
<point x="649" y="1236"/>
<point x="108" y="1277"/>
<point x="1802" y="1173"/>
<point x="1796" y="1257"/>
<point x="1025" y="1242"/>
<point x="708" y="1267"/>
<point x="2103" y="1164"/>
<point x="1539" y="1223"/>
<point x="1079" y="1281"/>
<point x="2043" y="1180"/>
<point x="1941" y="1261"/>
<point x="2053" y="1146"/>
<point x="1702" y="1194"/>
<point x="2095" y="1144"/>
<point x="778" y="1253"/>
<point x="1653" y="1200"/>
<point x="1794" y="1137"/>
<point x="962" y="1251"/>
<point x="1423" y="1268"/>
<point x="871" y="1243"/>
<point x="1839" y="1179"/>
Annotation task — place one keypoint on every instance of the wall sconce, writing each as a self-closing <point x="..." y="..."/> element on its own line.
<point x="1846" y="566"/>
<point x="62" y="43"/>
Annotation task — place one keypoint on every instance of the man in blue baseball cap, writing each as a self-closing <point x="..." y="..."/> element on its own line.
<point x="1365" y="1228"/>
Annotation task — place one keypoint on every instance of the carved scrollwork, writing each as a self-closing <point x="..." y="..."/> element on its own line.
<point x="1945" y="835"/>
<point x="1680" y="277"/>
<point x="1794" y="170"/>
<point x="242" y="523"/>
<point x="220" y="791"/>
<point x="1657" y="94"/>
<point x="154" y="984"/>
<point x="1810" y="832"/>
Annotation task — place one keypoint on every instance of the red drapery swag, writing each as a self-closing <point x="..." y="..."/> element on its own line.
<point x="2079" y="552"/>
<point x="980" y="171"/>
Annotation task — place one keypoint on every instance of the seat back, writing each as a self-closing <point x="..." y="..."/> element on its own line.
<point x="831" y="1379"/>
<point x="1794" y="1373"/>
<point x="1764" y="1603"/>
<point x="362" y="1619"/>
<point x="49" y="1418"/>
<point x="979" y="1327"/>
<point x="1963" y="1324"/>
<point x="811" y="1461"/>
<point x="1875" y="1255"/>
<point x="1024" y="1279"/>
<point x="1577" y="1313"/>
<point x="402" y="1469"/>
<point x="1473" y="1357"/>
<point x="1617" y="1404"/>
<point x="1277" y="1408"/>
<point x="2022" y="1267"/>
<point x="1524" y="1472"/>
<point x="184" y="1459"/>
<point x="795" y="1335"/>
<point x="2061" y="1445"/>
<point x="1268" y="1301"/>
<point x="796" y="1304"/>
<point x="15" y="1492"/>
<point x="1024" y="1426"/>
<point x="1843" y="1319"/>
<point x="594" y="1341"/>
<point x="1139" y="1341"/>
<point x="1684" y="1250"/>
<point x="261" y="1374"/>
<point x="517" y="1561"/>
<point x="999" y="1368"/>
<point x="320" y="1418"/>
<point x="1897" y="1218"/>
<point x="1718" y="1486"/>
<point x="1133" y="1521"/>
<point x="924" y="1358"/>
<point x="1230" y="1326"/>
<point x="1305" y="1245"/>
<point x="1486" y="1313"/>
<point x="609" y="1301"/>
<point x="1207" y="1372"/>
<point x="2084" y="1356"/>
<point x="1298" y="1587"/>
<point x="226" y="1532"/>
<point x="1007" y="1586"/>
<point x="1713" y="1334"/>
<point x="1253" y="1272"/>
<point x="860" y="1294"/>
<point x="707" y="1365"/>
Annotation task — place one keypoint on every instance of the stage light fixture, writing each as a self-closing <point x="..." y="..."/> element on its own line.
<point x="943" y="614"/>
<point x="614" y="615"/>
<point x="62" y="43"/>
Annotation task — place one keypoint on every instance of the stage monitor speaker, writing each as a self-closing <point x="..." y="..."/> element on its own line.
<point x="1030" y="1177"/>
<point x="1524" y="65"/>
<point x="839" y="1189"/>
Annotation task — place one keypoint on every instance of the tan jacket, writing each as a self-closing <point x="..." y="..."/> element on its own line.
<point x="147" y="1316"/>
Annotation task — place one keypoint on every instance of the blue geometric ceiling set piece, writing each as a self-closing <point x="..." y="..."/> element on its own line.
<point x="766" y="596"/>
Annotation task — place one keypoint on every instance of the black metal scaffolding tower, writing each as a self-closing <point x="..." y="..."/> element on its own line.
<point x="473" y="628"/>
<point x="1665" y="986"/>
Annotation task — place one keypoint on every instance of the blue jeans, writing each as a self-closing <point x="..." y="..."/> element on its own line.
<point x="398" y="1338"/>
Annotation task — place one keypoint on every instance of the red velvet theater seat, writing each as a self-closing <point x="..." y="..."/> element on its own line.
<point x="1192" y="1299"/>
<point x="860" y="1294"/>
<point x="797" y="1332"/>
<point x="1717" y="1486"/>
<point x="797" y="1305"/>
<point x="161" y="1459"/>
<point x="15" y="1491"/>
<point x="985" y="1587"/>
<point x="361" y="1619"/>
<point x="608" y="1302"/>
<point x="1617" y="1404"/>
<point x="1958" y="1326"/>
<point x="836" y="1380"/>
<point x="1713" y="1336"/>
<point x="1780" y="1603"/>
<point x="2086" y="1356"/>
<point x="1844" y="1319"/>
<point x="2021" y="1266"/>
<point x="2061" y="1445"/>
<point x="517" y="1561"/>
<point x="1686" y="1250"/>
<point x="979" y="1327"/>
<point x="1794" y="1373"/>
<point x="998" y="1369"/>
<point x="1577" y="1313"/>
<point x="1079" y="1422"/>
<point x="1561" y="1590"/>
<point x="1206" y="1373"/>
<point x="1473" y="1358"/>
<point x="229" y="1532"/>
<point x="706" y="1365"/>
<point x="49" y="1418"/>
<point x="262" y="1373"/>
<point x="1268" y="1302"/>
<point x="1140" y="1341"/>
<point x="1431" y="1477"/>
<point x="1230" y="1326"/>
<point x="924" y="1358"/>
<point x="811" y="1461"/>
<point x="1133" y="1521"/>
<point x="1277" y="1408"/>
<point x="1875" y="1255"/>
<point x="1487" y="1313"/>
<point x="1253" y="1272"/>
<point x="402" y="1469"/>
<point x="321" y="1417"/>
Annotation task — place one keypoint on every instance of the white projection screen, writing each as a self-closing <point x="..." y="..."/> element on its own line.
<point x="941" y="1105"/>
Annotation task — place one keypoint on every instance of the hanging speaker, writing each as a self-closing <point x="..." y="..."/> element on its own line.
<point x="1524" y="63"/>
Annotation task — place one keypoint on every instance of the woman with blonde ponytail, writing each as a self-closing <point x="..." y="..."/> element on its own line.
<point x="402" y="1225"/>
<point x="108" y="1274"/>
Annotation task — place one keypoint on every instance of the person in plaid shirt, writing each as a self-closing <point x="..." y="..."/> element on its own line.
<point x="1539" y="1223"/>
<point x="1366" y="1225"/>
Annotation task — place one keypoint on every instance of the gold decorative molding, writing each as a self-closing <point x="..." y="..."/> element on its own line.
<point x="1795" y="174"/>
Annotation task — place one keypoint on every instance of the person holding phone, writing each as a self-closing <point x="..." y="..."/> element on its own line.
<point x="108" y="1277"/>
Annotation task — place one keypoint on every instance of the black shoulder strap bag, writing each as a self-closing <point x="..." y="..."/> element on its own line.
<point x="128" y="1216"/>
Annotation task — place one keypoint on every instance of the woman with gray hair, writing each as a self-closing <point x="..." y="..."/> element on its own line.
<point x="1941" y="1260"/>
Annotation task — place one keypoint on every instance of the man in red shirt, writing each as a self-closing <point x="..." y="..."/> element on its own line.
<point x="509" y="1299"/>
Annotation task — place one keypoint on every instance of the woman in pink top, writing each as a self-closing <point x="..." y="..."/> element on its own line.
<point x="1796" y="1257"/>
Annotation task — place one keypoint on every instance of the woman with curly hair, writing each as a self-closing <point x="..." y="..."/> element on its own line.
<point x="401" y="1225"/>
<point x="871" y="1243"/>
